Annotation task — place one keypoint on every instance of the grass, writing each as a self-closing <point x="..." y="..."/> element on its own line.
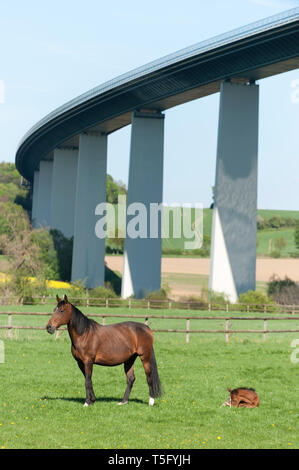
<point x="266" y="241"/>
<point x="187" y="283"/>
<point x="154" y="323"/>
<point x="42" y="393"/>
<point x="263" y="235"/>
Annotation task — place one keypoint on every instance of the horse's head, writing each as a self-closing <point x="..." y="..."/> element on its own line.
<point x="61" y="315"/>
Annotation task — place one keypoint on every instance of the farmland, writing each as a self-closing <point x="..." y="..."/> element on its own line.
<point x="265" y="237"/>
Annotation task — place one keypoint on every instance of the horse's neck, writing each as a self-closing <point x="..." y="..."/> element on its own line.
<point x="73" y="323"/>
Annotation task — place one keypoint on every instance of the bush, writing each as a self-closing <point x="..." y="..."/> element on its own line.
<point x="261" y="223"/>
<point x="100" y="293"/>
<point x="275" y="254"/>
<point x="256" y="301"/>
<point x="47" y="253"/>
<point x="213" y="297"/>
<point x="112" y="280"/>
<point x="280" y="243"/>
<point x="64" y="249"/>
<point x="26" y="289"/>
<point x="284" y="291"/>
<point x="172" y="251"/>
<point x="77" y="293"/>
<point x="195" y="302"/>
<point x="276" y="221"/>
<point x="160" y="294"/>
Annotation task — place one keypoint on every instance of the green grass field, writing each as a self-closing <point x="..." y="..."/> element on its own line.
<point x="266" y="241"/>
<point x="42" y="391"/>
<point x="264" y="236"/>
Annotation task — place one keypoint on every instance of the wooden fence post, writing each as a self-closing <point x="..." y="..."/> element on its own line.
<point x="265" y="329"/>
<point x="227" y="330"/>
<point x="103" y="321"/>
<point x="107" y="303"/>
<point x="9" y="326"/>
<point x="188" y="330"/>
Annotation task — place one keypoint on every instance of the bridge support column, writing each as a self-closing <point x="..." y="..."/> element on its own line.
<point x="43" y="209"/>
<point x="63" y="190"/>
<point x="233" y="250"/>
<point x="34" y="198"/>
<point x="142" y="256"/>
<point x="89" y="251"/>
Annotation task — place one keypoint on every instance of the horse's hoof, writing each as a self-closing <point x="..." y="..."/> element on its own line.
<point x="151" y="401"/>
<point x="123" y="402"/>
<point x="87" y="404"/>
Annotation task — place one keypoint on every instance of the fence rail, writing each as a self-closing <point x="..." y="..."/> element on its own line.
<point x="187" y="331"/>
<point x="156" y="304"/>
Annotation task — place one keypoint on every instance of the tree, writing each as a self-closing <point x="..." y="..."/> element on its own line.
<point x="114" y="189"/>
<point x="17" y="243"/>
<point x="64" y="250"/>
<point x="280" y="243"/>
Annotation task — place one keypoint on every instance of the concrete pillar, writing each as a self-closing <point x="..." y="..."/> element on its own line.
<point x="64" y="190"/>
<point x="233" y="250"/>
<point x="43" y="209"/>
<point x="89" y="251"/>
<point x="34" y="198"/>
<point x="142" y="256"/>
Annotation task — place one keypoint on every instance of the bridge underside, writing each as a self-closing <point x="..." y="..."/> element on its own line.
<point x="74" y="139"/>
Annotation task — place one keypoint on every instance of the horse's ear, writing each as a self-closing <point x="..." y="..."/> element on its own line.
<point x="65" y="299"/>
<point x="58" y="299"/>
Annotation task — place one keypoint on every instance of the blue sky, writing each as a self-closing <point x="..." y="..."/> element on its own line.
<point x="52" y="51"/>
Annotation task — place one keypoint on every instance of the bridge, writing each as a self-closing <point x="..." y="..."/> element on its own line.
<point x="70" y="145"/>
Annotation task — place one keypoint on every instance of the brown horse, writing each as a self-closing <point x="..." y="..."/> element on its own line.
<point x="109" y="345"/>
<point x="242" y="397"/>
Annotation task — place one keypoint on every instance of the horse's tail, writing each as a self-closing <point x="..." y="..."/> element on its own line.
<point x="157" y="387"/>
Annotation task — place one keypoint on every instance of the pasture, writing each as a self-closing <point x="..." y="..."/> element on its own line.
<point x="42" y="393"/>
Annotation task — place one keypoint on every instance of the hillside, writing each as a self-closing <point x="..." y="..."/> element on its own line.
<point x="281" y="224"/>
<point x="275" y="227"/>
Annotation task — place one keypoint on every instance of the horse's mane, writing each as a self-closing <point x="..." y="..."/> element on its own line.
<point x="81" y="322"/>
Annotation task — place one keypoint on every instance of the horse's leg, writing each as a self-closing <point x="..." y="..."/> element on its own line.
<point x="81" y="366"/>
<point x="148" y="372"/>
<point x="90" y="396"/>
<point x="129" y="371"/>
